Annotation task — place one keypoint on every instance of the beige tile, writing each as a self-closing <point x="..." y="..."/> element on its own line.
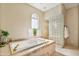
<point x="68" y="51"/>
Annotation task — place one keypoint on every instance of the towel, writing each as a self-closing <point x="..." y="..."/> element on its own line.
<point x="66" y="32"/>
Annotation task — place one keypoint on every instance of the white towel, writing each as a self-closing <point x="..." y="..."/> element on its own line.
<point x="66" y="32"/>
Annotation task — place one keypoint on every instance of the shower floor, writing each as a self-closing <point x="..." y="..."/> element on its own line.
<point x="67" y="51"/>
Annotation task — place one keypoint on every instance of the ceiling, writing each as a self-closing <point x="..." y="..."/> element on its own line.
<point x="46" y="6"/>
<point x="43" y="6"/>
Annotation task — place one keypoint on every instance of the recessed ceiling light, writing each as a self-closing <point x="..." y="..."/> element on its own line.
<point x="44" y="7"/>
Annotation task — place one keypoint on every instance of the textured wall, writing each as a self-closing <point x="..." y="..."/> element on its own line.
<point x="16" y="18"/>
<point x="72" y="22"/>
<point x="0" y="16"/>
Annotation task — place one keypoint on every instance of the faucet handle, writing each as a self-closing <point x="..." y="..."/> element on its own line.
<point x="15" y="48"/>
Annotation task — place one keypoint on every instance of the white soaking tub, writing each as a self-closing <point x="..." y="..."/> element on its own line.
<point x="26" y="45"/>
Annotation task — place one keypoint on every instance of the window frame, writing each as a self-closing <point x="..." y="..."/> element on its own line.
<point x="36" y="17"/>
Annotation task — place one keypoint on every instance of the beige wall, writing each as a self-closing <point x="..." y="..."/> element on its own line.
<point x="0" y="16"/>
<point x="46" y="31"/>
<point x="16" y="18"/>
<point x="54" y="11"/>
<point x="71" y="20"/>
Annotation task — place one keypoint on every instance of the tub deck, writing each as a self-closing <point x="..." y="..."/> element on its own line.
<point x="45" y="49"/>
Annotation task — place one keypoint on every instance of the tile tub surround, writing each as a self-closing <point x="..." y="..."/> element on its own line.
<point x="5" y="51"/>
<point x="26" y="44"/>
<point x="46" y="49"/>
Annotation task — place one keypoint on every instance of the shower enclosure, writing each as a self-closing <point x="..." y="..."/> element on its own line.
<point x="56" y="29"/>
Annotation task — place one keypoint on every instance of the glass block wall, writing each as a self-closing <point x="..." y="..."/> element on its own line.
<point x="56" y="29"/>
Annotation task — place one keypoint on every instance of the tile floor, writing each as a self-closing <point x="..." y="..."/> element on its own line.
<point x="58" y="54"/>
<point x="67" y="51"/>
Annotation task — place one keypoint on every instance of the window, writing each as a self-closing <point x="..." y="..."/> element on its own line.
<point x="35" y="24"/>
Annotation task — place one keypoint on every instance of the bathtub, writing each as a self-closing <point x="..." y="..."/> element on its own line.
<point x="18" y="47"/>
